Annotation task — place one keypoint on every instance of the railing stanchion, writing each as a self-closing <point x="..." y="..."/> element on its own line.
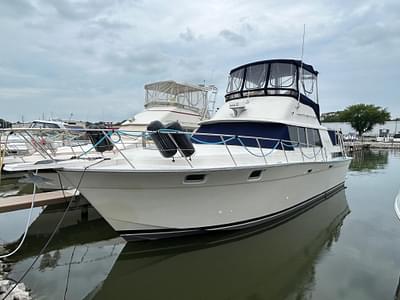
<point x="122" y="154"/>
<point x="315" y="156"/>
<point x="284" y="151"/>
<point x="120" y="139"/>
<point x="37" y="146"/>
<point x="261" y="150"/>
<point x="227" y="148"/>
<point x="301" y="151"/>
<point x="143" y="139"/>
<point x="180" y="150"/>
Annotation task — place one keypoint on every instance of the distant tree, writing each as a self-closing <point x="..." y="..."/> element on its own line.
<point x="363" y="117"/>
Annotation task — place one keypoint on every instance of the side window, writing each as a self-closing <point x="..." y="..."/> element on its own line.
<point x="333" y="137"/>
<point x="317" y="138"/>
<point x="302" y="136"/>
<point x="293" y="134"/>
<point x="310" y="137"/>
<point x="235" y="81"/>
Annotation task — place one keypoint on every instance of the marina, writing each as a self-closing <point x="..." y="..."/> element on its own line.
<point x="135" y="205"/>
<point x="222" y="150"/>
<point x="266" y="136"/>
<point x="320" y="253"/>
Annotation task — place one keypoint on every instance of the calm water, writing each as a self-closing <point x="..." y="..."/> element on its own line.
<point x="347" y="247"/>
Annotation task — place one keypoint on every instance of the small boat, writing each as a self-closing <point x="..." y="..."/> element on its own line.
<point x="169" y="101"/>
<point x="261" y="158"/>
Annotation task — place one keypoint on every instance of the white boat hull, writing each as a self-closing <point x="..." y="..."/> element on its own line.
<point x="153" y="204"/>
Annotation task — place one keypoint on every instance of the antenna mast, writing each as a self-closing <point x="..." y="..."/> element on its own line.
<point x="301" y="66"/>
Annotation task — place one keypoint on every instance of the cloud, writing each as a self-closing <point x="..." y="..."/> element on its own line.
<point x="16" y="8"/>
<point x="187" y="36"/>
<point x="233" y="37"/>
<point x="138" y="62"/>
<point x="77" y="10"/>
<point x="81" y="55"/>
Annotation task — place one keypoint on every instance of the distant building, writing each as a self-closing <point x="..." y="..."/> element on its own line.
<point x="390" y="128"/>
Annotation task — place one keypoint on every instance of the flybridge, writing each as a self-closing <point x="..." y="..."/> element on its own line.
<point x="184" y="95"/>
<point x="277" y="77"/>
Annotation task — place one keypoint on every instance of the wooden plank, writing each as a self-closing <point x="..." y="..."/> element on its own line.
<point x="41" y="199"/>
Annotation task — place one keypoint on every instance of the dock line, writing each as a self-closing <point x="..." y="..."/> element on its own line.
<point x="51" y="236"/>
<point x="28" y="223"/>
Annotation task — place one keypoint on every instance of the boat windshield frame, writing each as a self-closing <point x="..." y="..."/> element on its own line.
<point x="278" y="77"/>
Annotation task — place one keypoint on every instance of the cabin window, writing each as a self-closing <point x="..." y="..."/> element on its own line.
<point x="317" y="138"/>
<point x="333" y="137"/>
<point x="256" y="76"/>
<point x="294" y="135"/>
<point x="302" y="136"/>
<point x="49" y="125"/>
<point x="282" y="76"/>
<point x="337" y="154"/>
<point x="308" y="137"/>
<point x="308" y="84"/>
<point x="235" y="81"/>
<point x="44" y="125"/>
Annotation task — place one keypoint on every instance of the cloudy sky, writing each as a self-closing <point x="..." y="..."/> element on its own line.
<point x="91" y="58"/>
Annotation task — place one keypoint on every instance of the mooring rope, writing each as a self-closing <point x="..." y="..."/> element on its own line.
<point x="28" y="223"/>
<point x="256" y="155"/>
<point x="52" y="234"/>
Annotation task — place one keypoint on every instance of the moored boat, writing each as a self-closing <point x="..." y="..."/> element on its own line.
<point x="263" y="156"/>
<point x="169" y="101"/>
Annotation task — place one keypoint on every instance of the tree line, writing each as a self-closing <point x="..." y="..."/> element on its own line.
<point x="362" y="117"/>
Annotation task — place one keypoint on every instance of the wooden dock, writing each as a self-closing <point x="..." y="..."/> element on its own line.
<point x="41" y="199"/>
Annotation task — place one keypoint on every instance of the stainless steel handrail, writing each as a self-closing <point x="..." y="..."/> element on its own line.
<point x="143" y="134"/>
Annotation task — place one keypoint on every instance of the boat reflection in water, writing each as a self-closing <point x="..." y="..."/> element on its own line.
<point x="257" y="264"/>
<point x="77" y="260"/>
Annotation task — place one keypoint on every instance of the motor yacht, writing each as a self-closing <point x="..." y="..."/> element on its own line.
<point x="169" y="101"/>
<point x="260" y="159"/>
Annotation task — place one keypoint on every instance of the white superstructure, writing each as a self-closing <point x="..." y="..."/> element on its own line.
<point x="263" y="157"/>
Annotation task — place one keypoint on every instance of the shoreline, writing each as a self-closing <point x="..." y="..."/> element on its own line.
<point x="371" y="145"/>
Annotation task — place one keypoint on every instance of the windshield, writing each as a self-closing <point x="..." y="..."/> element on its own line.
<point x="272" y="78"/>
<point x="43" y="125"/>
